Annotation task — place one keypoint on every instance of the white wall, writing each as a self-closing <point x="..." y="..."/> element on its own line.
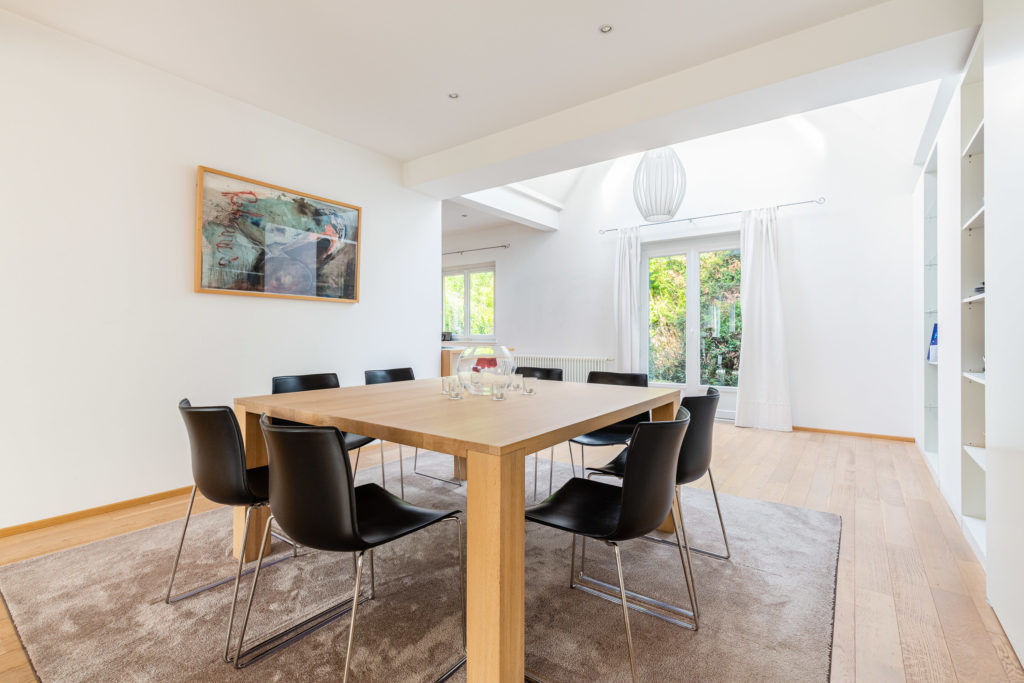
<point x="102" y="332"/>
<point x="846" y="265"/>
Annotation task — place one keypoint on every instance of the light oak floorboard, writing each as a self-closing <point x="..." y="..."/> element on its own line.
<point x="910" y="598"/>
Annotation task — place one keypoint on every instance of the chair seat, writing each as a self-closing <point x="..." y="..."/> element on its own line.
<point x="590" y="508"/>
<point x="353" y="441"/>
<point x="613" y="435"/>
<point x="382" y="516"/>
<point x="616" y="468"/>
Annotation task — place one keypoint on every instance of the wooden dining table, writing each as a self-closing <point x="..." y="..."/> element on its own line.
<point x="494" y="438"/>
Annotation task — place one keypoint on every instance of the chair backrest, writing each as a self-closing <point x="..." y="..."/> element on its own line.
<point x="648" y="483"/>
<point x="218" y="456"/>
<point x="695" y="455"/>
<point x="287" y="384"/>
<point x="551" y="374"/>
<point x="311" y="492"/>
<point x="392" y="375"/>
<point x="626" y="379"/>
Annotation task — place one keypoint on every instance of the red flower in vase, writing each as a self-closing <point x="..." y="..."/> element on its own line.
<point x="485" y="363"/>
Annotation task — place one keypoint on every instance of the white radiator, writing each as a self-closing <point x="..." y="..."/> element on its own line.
<point x="574" y="368"/>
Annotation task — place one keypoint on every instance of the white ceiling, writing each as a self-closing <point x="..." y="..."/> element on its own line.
<point x="459" y="218"/>
<point x="378" y="73"/>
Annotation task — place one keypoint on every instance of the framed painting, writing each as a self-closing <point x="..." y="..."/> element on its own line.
<point x="264" y="240"/>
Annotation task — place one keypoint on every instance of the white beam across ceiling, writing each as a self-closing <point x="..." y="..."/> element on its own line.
<point x="516" y="204"/>
<point x="884" y="47"/>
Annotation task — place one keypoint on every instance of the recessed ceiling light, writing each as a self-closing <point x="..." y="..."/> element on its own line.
<point x="605" y="28"/>
<point x="453" y="95"/>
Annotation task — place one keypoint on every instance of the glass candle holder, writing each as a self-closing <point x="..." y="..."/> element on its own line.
<point x="482" y="369"/>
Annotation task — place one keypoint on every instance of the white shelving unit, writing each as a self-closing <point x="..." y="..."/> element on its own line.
<point x="930" y="444"/>
<point x="977" y="454"/>
<point x="972" y="314"/>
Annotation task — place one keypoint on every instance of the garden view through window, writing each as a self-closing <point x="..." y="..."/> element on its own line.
<point x="705" y="346"/>
<point x="469" y="302"/>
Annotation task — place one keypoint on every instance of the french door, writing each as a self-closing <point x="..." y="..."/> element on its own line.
<point x="693" y="315"/>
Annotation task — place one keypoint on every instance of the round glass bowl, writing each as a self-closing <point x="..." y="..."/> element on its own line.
<point x="481" y="369"/>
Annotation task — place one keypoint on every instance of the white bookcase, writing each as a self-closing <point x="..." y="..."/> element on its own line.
<point x="972" y="314"/>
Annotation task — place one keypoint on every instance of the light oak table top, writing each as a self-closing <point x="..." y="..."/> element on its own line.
<point x="416" y="413"/>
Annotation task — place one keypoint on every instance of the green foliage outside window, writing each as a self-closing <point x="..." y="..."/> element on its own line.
<point x="481" y="303"/>
<point x="721" y="323"/>
<point x="454" y="303"/>
<point x="667" y="357"/>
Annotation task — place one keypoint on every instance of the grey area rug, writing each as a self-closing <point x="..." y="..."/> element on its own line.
<point x="96" y="612"/>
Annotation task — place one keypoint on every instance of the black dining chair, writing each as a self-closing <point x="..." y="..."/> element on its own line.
<point x="613" y="514"/>
<point x="384" y="377"/>
<point x="694" y="460"/>
<point x="551" y="375"/>
<point x="613" y="435"/>
<point x="289" y="384"/>
<point x="313" y="500"/>
<point x="219" y="473"/>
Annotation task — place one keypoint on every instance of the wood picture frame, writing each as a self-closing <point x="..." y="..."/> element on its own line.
<point x="258" y="239"/>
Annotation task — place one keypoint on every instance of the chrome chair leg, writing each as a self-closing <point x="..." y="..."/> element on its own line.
<point x="572" y="564"/>
<point x="572" y="461"/>
<point x="691" y="586"/>
<point x="352" y="623"/>
<point x="462" y="577"/>
<point x="355" y="467"/>
<point x="373" y="578"/>
<point x="291" y="634"/>
<point x="401" y="474"/>
<point x="181" y="543"/>
<point x="170" y="600"/>
<point x="238" y="579"/>
<point x="382" y="482"/>
<point x="536" y="465"/>
<point x="625" y="612"/>
<point x="551" y="471"/>
<point x="458" y="471"/>
<point x="637" y="601"/>
<point x="721" y="523"/>
<point x="252" y="592"/>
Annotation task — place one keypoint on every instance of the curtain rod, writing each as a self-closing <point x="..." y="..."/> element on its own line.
<point x="466" y="251"/>
<point x="819" y="200"/>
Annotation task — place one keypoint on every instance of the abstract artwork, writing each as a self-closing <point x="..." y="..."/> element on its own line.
<point x="264" y="240"/>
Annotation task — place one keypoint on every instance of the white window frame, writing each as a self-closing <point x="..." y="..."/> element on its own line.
<point x="466" y="271"/>
<point x="691" y="248"/>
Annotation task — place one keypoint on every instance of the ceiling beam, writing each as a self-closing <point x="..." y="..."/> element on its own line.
<point x="887" y="46"/>
<point x="516" y="204"/>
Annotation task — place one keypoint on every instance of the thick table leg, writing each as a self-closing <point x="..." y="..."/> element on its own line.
<point x="496" y="627"/>
<point x="255" y="456"/>
<point x="666" y="412"/>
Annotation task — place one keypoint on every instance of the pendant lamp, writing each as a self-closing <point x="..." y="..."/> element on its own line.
<point x="659" y="185"/>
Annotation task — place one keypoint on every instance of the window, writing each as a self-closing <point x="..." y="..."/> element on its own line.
<point x="705" y="347"/>
<point x="468" y="307"/>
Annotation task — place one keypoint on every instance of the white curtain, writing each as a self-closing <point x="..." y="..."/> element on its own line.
<point x="627" y="301"/>
<point x="763" y="399"/>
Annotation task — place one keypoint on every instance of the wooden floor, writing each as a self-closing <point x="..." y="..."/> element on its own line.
<point x="910" y="602"/>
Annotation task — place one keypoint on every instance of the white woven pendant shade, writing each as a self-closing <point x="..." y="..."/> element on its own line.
<point x="659" y="185"/>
